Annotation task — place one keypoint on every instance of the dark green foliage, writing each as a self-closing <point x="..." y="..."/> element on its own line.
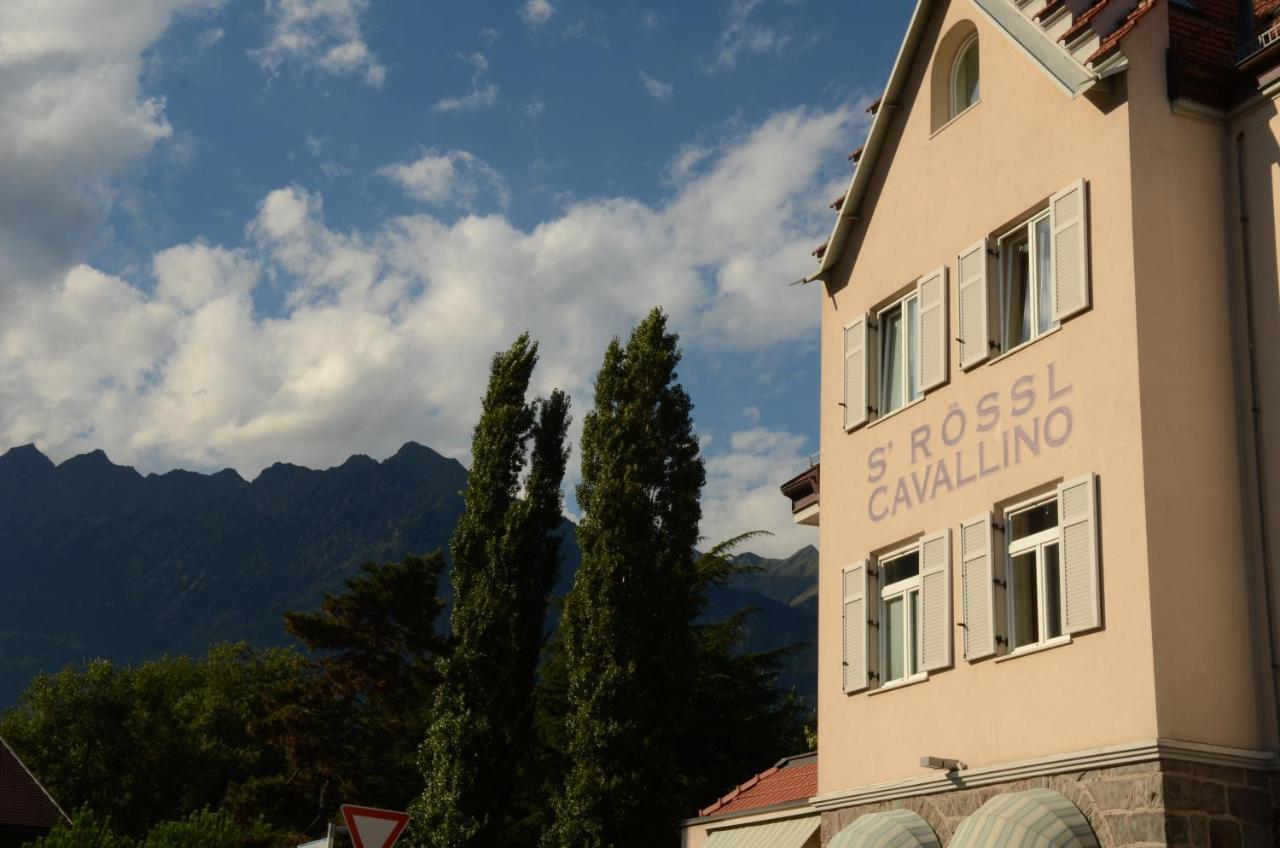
<point x="351" y="724"/>
<point x="627" y="627"/>
<point x="739" y="722"/>
<point x="147" y="743"/>
<point x="505" y="561"/>
<point x="202" y="829"/>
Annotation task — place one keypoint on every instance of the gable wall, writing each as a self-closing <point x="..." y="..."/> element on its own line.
<point x="934" y="196"/>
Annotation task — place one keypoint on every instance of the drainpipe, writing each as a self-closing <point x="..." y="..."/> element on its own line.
<point x="1255" y="418"/>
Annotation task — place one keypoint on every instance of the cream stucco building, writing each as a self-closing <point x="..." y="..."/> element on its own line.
<point x="1049" y="512"/>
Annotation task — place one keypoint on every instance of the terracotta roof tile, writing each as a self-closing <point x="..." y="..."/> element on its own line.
<point x="1081" y="22"/>
<point x="837" y="203"/>
<point x="24" y="803"/>
<point x="1112" y="42"/>
<point x="857" y="154"/>
<point x="820" y="249"/>
<point x="875" y="106"/>
<point x="793" y="779"/>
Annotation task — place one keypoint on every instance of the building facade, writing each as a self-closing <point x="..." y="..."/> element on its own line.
<point x="1050" y="464"/>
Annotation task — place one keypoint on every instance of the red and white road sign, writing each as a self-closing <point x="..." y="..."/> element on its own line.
<point x="374" y="828"/>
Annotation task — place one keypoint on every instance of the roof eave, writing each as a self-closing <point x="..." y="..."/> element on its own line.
<point x="1055" y="62"/>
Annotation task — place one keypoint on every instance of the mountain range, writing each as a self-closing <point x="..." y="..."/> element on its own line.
<point x="97" y="560"/>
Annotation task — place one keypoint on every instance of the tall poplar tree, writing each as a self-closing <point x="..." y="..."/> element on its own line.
<point x="628" y="643"/>
<point x="505" y="561"/>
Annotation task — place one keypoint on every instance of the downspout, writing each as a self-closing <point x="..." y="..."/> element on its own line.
<point x="1255" y="418"/>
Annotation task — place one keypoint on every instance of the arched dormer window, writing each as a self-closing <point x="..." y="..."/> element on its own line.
<point x="953" y="77"/>
<point x="964" y="77"/>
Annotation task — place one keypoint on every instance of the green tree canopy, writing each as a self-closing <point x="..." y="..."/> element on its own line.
<point x="627" y="627"/>
<point x="505" y="560"/>
<point x="145" y="743"/>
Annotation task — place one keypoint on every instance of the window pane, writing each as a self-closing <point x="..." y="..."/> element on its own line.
<point x="1016" y="276"/>
<point x="971" y="75"/>
<point x="913" y="349"/>
<point x="914" y="653"/>
<point x="890" y="361"/>
<point x="893" y="635"/>
<point x="1044" y="277"/>
<point x="1022" y="587"/>
<point x="1052" y="593"/>
<point x="965" y="92"/>
<point x="901" y="568"/>
<point x="1033" y="520"/>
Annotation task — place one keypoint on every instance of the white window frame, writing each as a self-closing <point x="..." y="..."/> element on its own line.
<point x="1037" y="543"/>
<point x="1027" y="227"/>
<point x="953" y="81"/>
<point x="913" y="624"/>
<point x="904" y="351"/>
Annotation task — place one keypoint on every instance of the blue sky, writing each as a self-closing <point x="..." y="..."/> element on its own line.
<point x="242" y="231"/>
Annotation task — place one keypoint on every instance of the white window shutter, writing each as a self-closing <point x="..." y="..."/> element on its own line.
<point x="1078" y="531"/>
<point x="855" y="625"/>
<point x="1069" y="223"/>
<point x="975" y="315"/>
<point x="935" y="599"/>
<point x="855" y="373"/>
<point x="977" y="563"/>
<point x="932" y="290"/>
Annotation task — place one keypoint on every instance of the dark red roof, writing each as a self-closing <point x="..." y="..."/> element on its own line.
<point x="792" y="779"/>
<point x="24" y="803"/>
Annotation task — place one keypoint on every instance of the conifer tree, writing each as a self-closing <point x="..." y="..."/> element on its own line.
<point x="627" y="634"/>
<point x="505" y="561"/>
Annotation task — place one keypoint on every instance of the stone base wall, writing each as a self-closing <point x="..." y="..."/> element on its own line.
<point x="1165" y="804"/>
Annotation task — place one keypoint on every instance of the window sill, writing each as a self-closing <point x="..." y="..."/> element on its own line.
<point x="897" y="411"/>
<point x="1036" y="648"/>
<point x="957" y="117"/>
<point x="1011" y="351"/>
<point x="900" y="684"/>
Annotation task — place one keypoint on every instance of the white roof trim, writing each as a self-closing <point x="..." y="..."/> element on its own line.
<point x="1072" y="77"/>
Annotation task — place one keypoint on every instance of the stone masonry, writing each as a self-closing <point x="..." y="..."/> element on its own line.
<point x="1165" y="804"/>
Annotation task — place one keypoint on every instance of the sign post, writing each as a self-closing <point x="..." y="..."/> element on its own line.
<point x="373" y="828"/>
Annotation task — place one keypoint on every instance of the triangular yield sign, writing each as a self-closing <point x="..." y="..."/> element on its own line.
<point x="373" y="828"/>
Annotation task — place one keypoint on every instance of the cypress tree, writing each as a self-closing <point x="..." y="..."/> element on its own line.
<point x="505" y="561"/>
<point x="627" y="634"/>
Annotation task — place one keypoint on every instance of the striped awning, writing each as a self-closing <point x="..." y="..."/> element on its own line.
<point x="894" y="829"/>
<point x="1037" y="818"/>
<point x="792" y="833"/>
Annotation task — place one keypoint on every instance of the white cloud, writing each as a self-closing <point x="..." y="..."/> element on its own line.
<point x="657" y="89"/>
<point x="73" y="115"/>
<point x="649" y="20"/>
<point x="535" y="13"/>
<point x="385" y="335"/>
<point x="743" y="35"/>
<point x="483" y="94"/>
<point x="451" y="178"/>
<point x="319" y="35"/>
<point x="209" y="37"/>
<point x="742" y="491"/>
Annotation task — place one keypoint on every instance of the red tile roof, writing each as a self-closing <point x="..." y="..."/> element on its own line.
<point x="1112" y="42"/>
<point x="24" y="803"/>
<point x="792" y="779"/>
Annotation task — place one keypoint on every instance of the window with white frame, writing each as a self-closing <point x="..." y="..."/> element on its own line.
<point x="896" y="354"/>
<point x="1041" y="279"/>
<point x="901" y="632"/>
<point x="1026" y="277"/>
<point x="1035" y="575"/>
<point x="901" y="640"/>
<point x="1034" y="579"/>
<point x="964" y="77"/>
<point x="899" y="360"/>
